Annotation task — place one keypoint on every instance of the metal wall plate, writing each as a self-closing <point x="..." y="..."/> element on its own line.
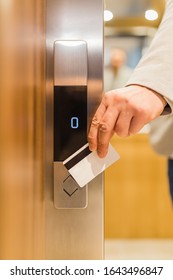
<point x="74" y="230"/>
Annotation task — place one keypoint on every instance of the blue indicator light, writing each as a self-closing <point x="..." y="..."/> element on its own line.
<point x="74" y="122"/>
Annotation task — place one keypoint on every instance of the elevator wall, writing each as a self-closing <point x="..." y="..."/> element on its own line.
<point x="22" y="88"/>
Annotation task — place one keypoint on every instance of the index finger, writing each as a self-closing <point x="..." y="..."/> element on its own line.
<point x="93" y="132"/>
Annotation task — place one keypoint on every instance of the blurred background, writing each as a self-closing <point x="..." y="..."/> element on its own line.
<point x="138" y="208"/>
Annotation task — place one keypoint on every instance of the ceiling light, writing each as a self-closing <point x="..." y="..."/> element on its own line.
<point x="151" y="15"/>
<point x="108" y="15"/>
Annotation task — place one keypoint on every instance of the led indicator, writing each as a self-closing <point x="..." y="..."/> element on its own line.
<point x="71" y="122"/>
<point x="74" y="122"/>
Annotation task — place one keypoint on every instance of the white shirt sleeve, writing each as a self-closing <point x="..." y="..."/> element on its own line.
<point x="155" y="69"/>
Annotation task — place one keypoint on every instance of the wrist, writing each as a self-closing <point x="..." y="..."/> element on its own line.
<point x="158" y="95"/>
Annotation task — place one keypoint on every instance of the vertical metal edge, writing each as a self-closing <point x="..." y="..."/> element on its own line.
<point x="61" y="242"/>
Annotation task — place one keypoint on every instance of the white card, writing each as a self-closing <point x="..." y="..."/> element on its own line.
<point x="85" y="165"/>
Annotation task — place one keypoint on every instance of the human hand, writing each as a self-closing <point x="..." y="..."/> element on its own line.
<point x="123" y="111"/>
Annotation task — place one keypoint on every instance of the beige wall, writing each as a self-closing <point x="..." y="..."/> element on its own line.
<point x="137" y="201"/>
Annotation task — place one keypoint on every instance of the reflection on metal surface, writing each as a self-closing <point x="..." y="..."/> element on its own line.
<point x="22" y="90"/>
<point x="70" y="63"/>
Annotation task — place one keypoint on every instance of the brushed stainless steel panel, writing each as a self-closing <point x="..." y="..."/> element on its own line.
<point x="74" y="233"/>
<point x="70" y="63"/>
<point x="67" y="193"/>
<point x="70" y="69"/>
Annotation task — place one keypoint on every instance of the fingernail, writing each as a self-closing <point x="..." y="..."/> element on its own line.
<point x="101" y="154"/>
<point x="92" y="147"/>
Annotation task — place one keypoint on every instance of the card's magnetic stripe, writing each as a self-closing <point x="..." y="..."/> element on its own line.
<point x="77" y="158"/>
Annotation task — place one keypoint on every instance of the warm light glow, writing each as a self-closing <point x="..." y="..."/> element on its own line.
<point x="151" y="15"/>
<point x="71" y="43"/>
<point x="108" y="15"/>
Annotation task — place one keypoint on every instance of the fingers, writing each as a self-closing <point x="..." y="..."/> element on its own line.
<point x="93" y="132"/>
<point x="106" y="130"/>
<point x="102" y="129"/>
<point x="107" y="120"/>
<point x="123" y="111"/>
<point x="123" y="124"/>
